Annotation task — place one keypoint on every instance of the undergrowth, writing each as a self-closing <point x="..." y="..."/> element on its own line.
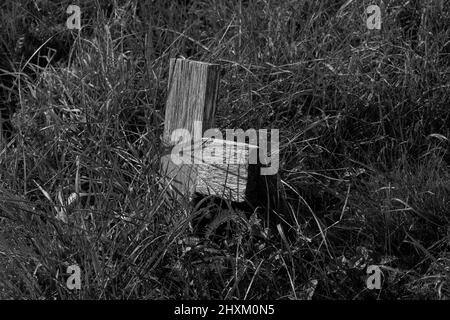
<point x="364" y="127"/>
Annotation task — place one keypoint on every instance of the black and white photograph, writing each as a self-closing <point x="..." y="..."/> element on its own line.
<point x="231" y="154"/>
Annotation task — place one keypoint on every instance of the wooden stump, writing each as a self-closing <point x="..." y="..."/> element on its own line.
<point x="226" y="169"/>
<point x="220" y="168"/>
<point x="212" y="167"/>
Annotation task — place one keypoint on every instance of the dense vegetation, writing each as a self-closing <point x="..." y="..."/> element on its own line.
<point x="364" y="127"/>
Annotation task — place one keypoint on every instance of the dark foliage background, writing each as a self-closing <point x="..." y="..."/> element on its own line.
<point x="364" y="126"/>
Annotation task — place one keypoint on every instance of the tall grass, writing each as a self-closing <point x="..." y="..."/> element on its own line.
<point x="364" y="128"/>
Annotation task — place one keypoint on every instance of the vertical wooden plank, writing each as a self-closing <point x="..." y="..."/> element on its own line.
<point x="192" y="95"/>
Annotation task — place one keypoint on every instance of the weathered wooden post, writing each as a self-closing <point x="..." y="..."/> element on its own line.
<point x="198" y="159"/>
<point x="192" y="96"/>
